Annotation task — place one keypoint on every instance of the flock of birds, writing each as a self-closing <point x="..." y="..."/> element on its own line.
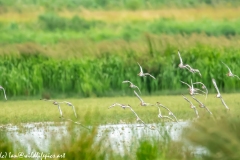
<point x="192" y="91"/>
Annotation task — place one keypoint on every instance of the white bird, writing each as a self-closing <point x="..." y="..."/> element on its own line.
<point x="170" y="113"/>
<point x="191" y="106"/>
<point x="141" y="74"/>
<point x="142" y="102"/>
<point x="192" y="90"/>
<point x="70" y="104"/>
<point x="55" y="103"/>
<point x="201" y="105"/>
<point x="218" y="93"/>
<point x="181" y="65"/>
<point x="161" y="116"/>
<point x="132" y="85"/>
<point x="230" y="74"/>
<point x="203" y="87"/>
<point x="3" y="92"/>
<point x="127" y="106"/>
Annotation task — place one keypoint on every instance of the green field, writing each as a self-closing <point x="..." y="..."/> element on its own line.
<point x="94" y="111"/>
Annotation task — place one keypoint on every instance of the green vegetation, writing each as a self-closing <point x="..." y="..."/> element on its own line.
<point x="42" y="111"/>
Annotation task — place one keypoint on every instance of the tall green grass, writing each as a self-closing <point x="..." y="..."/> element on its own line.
<point x="102" y="74"/>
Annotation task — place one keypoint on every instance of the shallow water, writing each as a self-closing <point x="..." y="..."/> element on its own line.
<point x="120" y="136"/>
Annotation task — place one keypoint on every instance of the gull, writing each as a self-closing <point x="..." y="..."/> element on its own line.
<point x="181" y="65"/>
<point x="70" y="104"/>
<point x="3" y="92"/>
<point x="131" y="85"/>
<point x="55" y="103"/>
<point x="203" y="87"/>
<point x="161" y="116"/>
<point x="170" y="113"/>
<point x="218" y="94"/>
<point x="201" y="105"/>
<point x="142" y="102"/>
<point x="230" y="74"/>
<point x="127" y="106"/>
<point x="192" y="90"/>
<point x="191" y="106"/>
<point x="141" y="74"/>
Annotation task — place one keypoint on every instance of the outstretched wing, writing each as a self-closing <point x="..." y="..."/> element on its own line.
<point x="236" y="76"/>
<point x="215" y="85"/>
<point x="138" y="96"/>
<point x="141" y="70"/>
<point x="149" y="75"/>
<point x="180" y="58"/>
<point x="224" y="103"/>
<point x="187" y="99"/>
<point x="186" y="84"/>
<point x="229" y="70"/>
<point x="126" y="81"/>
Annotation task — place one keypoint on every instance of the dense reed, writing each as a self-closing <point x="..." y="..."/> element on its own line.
<point x="33" y="73"/>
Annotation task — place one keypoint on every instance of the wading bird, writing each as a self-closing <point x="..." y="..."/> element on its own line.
<point x="203" y="87"/>
<point x="142" y="102"/>
<point x="161" y="116"/>
<point x="170" y="113"/>
<point x="201" y="105"/>
<point x="141" y="74"/>
<point x="3" y="92"/>
<point x="218" y="93"/>
<point x="132" y="85"/>
<point x="55" y="103"/>
<point x="191" y="106"/>
<point x="230" y="74"/>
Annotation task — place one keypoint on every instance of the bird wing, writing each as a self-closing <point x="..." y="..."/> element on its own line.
<point x="74" y="111"/>
<point x="60" y="110"/>
<point x="224" y="103"/>
<point x="138" y="96"/>
<point x="197" y="100"/>
<point x="187" y="100"/>
<point x="141" y="70"/>
<point x="227" y="67"/>
<point x="150" y="75"/>
<point x="215" y="85"/>
<point x="236" y="76"/>
<point x="126" y="82"/>
<point x="4" y="92"/>
<point x="138" y="89"/>
<point x="186" y="84"/>
<point x="208" y="110"/>
<point x="180" y="58"/>
<point x="196" y="112"/>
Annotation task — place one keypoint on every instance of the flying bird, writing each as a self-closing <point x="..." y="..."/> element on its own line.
<point x="141" y="74"/>
<point x="161" y="116"/>
<point x="3" y="92"/>
<point x="170" y="113"/>
<point x="192" y="90"/>
<point x="191" y="106"/>
<point x="203" y="87"/>
<point x="218" y="93"/>
<point x="70" y="104"/>
<point x="201" y="105"/>
<point x="55" y="103"/>
<point x="230" y="74"/>
<point x="132" y="85"/>
<point x="142" y="102"/>
<point x="181" y="65"/>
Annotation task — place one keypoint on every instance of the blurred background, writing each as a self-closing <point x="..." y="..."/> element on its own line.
<point x="86" y="48"/>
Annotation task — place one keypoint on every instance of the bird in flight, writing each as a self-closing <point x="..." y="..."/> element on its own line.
<point x="218" y="93"/>
<point x="141" y="74"/>
<point x="170" y="113"/>
<point x="230" y="74"/>
<point x="142" y="102"/>
<point x="132" y="85"/>
<point x="3" y="92"/>
<point x="191" y="106"/>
